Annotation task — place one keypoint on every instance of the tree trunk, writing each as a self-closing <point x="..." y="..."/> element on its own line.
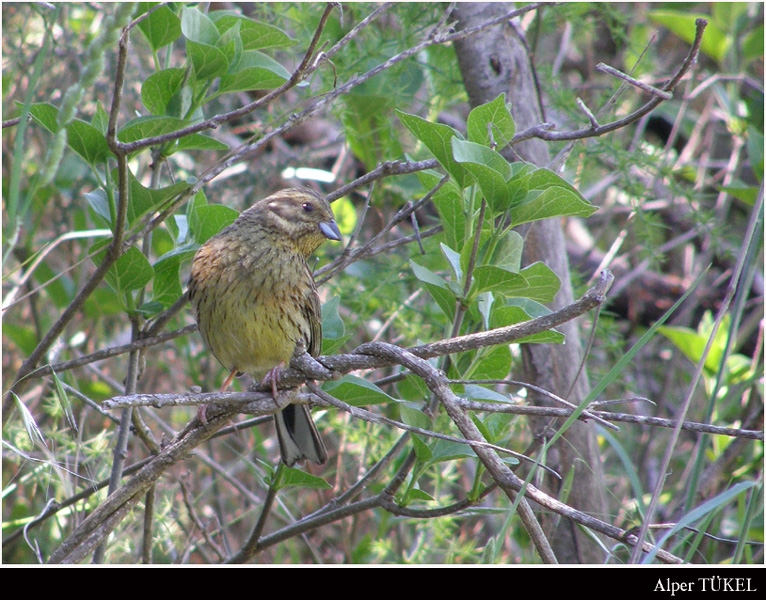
<point x="493" y="62"/>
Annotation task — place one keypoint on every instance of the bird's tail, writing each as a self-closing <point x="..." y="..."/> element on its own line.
<point x="298" y="436"/>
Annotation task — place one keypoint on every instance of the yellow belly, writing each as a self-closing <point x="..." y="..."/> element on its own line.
<point x="251" y="339"/>
<point x="250" y="305"/>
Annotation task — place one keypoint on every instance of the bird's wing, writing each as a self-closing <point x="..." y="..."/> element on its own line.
<point x="313" y="313"/>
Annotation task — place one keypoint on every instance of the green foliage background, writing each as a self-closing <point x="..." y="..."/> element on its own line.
<point x="456" y="266"/>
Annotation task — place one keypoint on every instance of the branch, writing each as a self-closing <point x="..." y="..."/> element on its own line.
<point x="101" y="522"/>
<point x="113" y="351"/>
<point x="507" y="480"/>
<point x="371" y="247"/>
<point x="359" y="360"/>
<point x="306" y="67"/>
<point x="543" y="131"/>
<point x="111" y="254"/>
<point x="317" y="104"/>
<point x="261" y="403"/>
<point x="366" y="415"/>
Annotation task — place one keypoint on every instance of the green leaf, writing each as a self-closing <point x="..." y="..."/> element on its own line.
<point x="553" y="202"/>
<point x="692" y="343"/>
<point x="438" y="139"/>
<point x="752" y="45"/>
<point x="143" y="200"/>
<point x="45" y="115"/>
<point x="754" y="144"/>
<point x="445" y="299"/>
<point x="414" y="417"/>
<point x="465" y="254"/>
<point x="498" y="426"/>
<point x="197" y="27"/>
<point x="149" y="126"/>
<point x="503" y="316"/>
<point x="450" y="205"/>
<point x="356" y="391"/>
<point x="744" y="193"/>
<point x="22" y="335"/>
<point x="100" y="120"/>
<point x="471" y="152"/>
<point x="453" y="258"/>
<point x="423" y="455"/>
<point x="726" y="14"/>
<point x="490" y="170"/>
<point x="150" y="309"/>
<point x="206" y="221"/>
<point x="130" y="272"/>
<point x="159" y="89"/>
<point x="518" y="185"/>
<point x="345" y="215"/>
<point x="537" y="282"/>
<point x="428" y="276"/>
<point x="180" y="103"/>
<point x="255" y="71"/>
<point x="208" y="61"/>
<point x="483" y="394"/>
<point x="507" y="252"/>
<point x="167" y="286"/>
<point x="412" y="388"/>
<point x="543" y="283"/>
<point x="445" y="451"/>
<point x="254" y="35"/>
<point x="492" y="363"/>
<point x="161" y="28"/>
<point x="231" y="45"/>
<point x="438" y="287"/>
<point x="489" y="278"/>
<point x="494" y="116"/>
<point x="98" y="201"/>
<point x="197" y="141"/>
<point x="715" y="43"/>
<point x="288" y="477"/>
<point x="542" y="179"/>
<point x="333" y="328"/>
<point x="256" y="78"/>
<point x="88" y="142"/>
<point x="194" y="203"/>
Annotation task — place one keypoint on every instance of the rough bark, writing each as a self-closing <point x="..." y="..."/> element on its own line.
<point x="491" y="63"/>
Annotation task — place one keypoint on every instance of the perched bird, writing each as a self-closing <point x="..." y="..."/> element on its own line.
<point x="254" y="298"/>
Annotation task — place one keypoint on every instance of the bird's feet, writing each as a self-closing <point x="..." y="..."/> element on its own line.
<point x="271" y="379"/>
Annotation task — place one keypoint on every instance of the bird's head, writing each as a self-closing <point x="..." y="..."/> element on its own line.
<point x="302" y="214"/>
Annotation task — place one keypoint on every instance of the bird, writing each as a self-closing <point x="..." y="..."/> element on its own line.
<point x="255" y="300"/>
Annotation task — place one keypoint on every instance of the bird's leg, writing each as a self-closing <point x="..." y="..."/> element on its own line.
<point x="228" y="381"/>
<point x="202" y="410"/>
<point x="271" y="379"/>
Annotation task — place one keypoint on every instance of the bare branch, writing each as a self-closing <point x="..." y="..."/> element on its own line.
<point x="604" y="68"/>
<point x="542" y="131"/>
<point x="501" y="474"/>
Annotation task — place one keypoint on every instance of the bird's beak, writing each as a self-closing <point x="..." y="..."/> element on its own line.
<point x="330" y="230"/>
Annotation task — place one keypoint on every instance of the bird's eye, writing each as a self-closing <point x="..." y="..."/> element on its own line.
<point x="308" y="207"/>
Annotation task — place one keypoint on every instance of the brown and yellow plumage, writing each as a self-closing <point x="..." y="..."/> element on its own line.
<point x="254" y="298"/>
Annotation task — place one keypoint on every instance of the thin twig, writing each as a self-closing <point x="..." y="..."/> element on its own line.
<point x="543" y="131"/>
<point x="604" y="68"/>
<point x="722" y="312"/>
